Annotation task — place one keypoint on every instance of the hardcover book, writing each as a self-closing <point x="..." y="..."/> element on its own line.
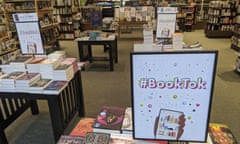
<point x="66" y="139"/>
<point x="109" y="119"/>
<point x="221" y="134"/>
<point x="55" y="87"/>
<point x="127" y="126"/>
<point x="97" y="138"/>
<point x="83" y="126"/>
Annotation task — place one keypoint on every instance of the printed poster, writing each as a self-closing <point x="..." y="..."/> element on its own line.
<point x="172" y="94"/>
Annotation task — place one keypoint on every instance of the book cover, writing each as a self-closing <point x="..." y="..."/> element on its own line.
<point x="21" y="59"/>
<point x="83" y="126"/>
<point x="55" y="87"/>
<point x="40" y="84"/>
<point x="10" y="78"/>
<point x="66" y="139"/>
<point x="221" y="134"/>
<point x="29" y="77"/>
<point x="97" y="138"/>
<point x="127" y="125"/>
<point x="109" y="119"/>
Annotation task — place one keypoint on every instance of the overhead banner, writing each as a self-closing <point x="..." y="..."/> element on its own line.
<point x="172" y="94"/>
<point x="166" y="22"/>
<point x="28" y="33"/>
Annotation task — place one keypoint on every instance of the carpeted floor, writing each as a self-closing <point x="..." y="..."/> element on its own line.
<point x="101" y="87"/>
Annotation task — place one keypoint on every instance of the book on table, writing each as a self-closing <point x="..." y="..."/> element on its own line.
<point x="55" y="87"/>
<point x="63" y="72"/>
<point x="109" y="119"/>
<point x="28" y="78"/>
<point x="96" y="138"/>
<point x="38" y="86"/>
<point x="34" y="64"/>
<point x="8" y="80"/>
<point x="83" y="126"/>
<point x="221" y="134"/>
<point x="127" y="125"/>
<point x="66" y="139"/>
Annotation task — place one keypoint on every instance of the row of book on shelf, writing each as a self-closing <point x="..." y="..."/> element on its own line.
<point x="114" y="125"/>
<point x="44" y="74"/>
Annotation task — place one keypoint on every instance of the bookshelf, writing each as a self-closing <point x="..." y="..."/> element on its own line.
<point x="47" y="24"/>
<point x="221" y="19"/>
<point x="68" y="17"/>
<point x="235" y="40"/>
<point x="7" y="44"/>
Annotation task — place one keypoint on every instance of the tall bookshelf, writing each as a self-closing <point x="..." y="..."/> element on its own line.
<point x="7" y="44"/>
<point x="221" y="19"/>
<point x="67" y="15"/>
<point x="47" y="24"/>
<point x="235" y="40"/>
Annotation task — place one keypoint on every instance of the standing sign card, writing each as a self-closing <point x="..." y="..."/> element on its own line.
<point x="171" y="93"/>
<point x="28" y="33"/>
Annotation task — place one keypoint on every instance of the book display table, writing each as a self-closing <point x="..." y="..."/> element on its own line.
<point x="62" y="106"/>
<point x="109" y="43"/>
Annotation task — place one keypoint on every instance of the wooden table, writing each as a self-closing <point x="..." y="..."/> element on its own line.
<point x="109" y="43"/>
<point x="62" y="106"/>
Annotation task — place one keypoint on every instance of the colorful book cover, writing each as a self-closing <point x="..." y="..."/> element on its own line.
<point x="109" y="119"/>
<point x="83" y="126"/>
<point x="63" y="67"/>
<point x="40" y="84"/>
<point x="66" y="139"/>
<point x="221" y="134"/>
<point x="97" y="138"/>
<point x="14" y="75"/>
<point x="29" y="76"/>
<point x="55" y="87"/>
<point x="22" y="59"/>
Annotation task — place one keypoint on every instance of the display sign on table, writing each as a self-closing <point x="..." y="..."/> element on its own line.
<point x="166" y="21"/>
<point x="171" y="93"/>
<point x="28" y="33"/>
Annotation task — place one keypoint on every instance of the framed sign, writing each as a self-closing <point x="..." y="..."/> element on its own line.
<point x="29" y="33"/>
<point x="166" y="22"/>
<point x="171" y="94"/>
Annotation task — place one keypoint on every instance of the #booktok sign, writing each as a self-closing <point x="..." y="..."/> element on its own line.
<point x="28" y="33"/>
<point x="172" y="94"/>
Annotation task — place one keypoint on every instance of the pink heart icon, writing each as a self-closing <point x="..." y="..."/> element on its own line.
<point x="197" y="105"/>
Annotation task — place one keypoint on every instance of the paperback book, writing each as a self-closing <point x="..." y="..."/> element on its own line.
<point x="83" y="126"/>
<point x="97" y="138"/>
<point x="127" y="126"/>
<point x="63" y="72"/>
<point x="66" y="139"/>
<point x="109" y="119"/>
<point x="220" y="134"/>
<point x="55" y="87"/>
<point x="38" y="86"/>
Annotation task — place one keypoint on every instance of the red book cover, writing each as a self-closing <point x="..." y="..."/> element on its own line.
<point x="109" y="119"/>
<point x="83" y="126"/>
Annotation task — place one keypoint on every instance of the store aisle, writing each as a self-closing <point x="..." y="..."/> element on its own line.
<point x="101" y="87"/>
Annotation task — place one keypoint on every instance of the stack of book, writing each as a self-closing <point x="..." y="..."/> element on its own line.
<point x="55" y="87"/>
<point x="63" y="72"/>
<point x="19" y="64"/>
<point x="57" y="55"/>
<point x="38" y="86"/>
<point x="72" y="61"/>
<point x="23" y="83"/>
<point x="34" y="65"/>
<point x="8" y="80"/>
<point x="177" y="41"/>
<point x="47" y="66"/>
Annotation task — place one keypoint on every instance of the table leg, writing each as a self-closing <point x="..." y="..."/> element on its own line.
<point x="116" y="50"/>
<point x="34" y="107"/>
<point x="111" y="47"/>
<point x="81" y="108"/>
<point x="56" y="116"/>
<point x="90" y="53"/>
<point x="3" y="139"/>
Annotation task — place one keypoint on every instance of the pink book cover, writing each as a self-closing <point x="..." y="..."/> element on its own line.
<point x="72" y="61"/>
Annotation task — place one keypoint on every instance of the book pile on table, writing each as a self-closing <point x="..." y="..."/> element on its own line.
<point x="23" y="83"/>
<point x="119" y="122"/>
<point x="19" y="64"/>
<point x="55" y="87"/>
<point x="177" y="41"/>
<point x="38" y="86"/>
<point x="47" y="66"/>
<point x="8" y="80"/>
<point x="34" y="65"/>
<point x="63" y="72"/>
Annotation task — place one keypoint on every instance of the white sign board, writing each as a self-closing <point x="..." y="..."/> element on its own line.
<point x="171" y="93"/>
<point x="166" y="21"/>
<point x="28" y="33"/>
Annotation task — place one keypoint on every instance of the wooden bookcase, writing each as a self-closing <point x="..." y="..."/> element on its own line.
<point x="235" y="40"/>
<point x="7" y="44"/>
<point x="47" y="24"/>
<point x="66" y="13"/>
<point x="221" y="19"/>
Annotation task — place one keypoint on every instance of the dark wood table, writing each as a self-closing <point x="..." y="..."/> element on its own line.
<point x="62" y="106"/>
<point x="109" y="43"/>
